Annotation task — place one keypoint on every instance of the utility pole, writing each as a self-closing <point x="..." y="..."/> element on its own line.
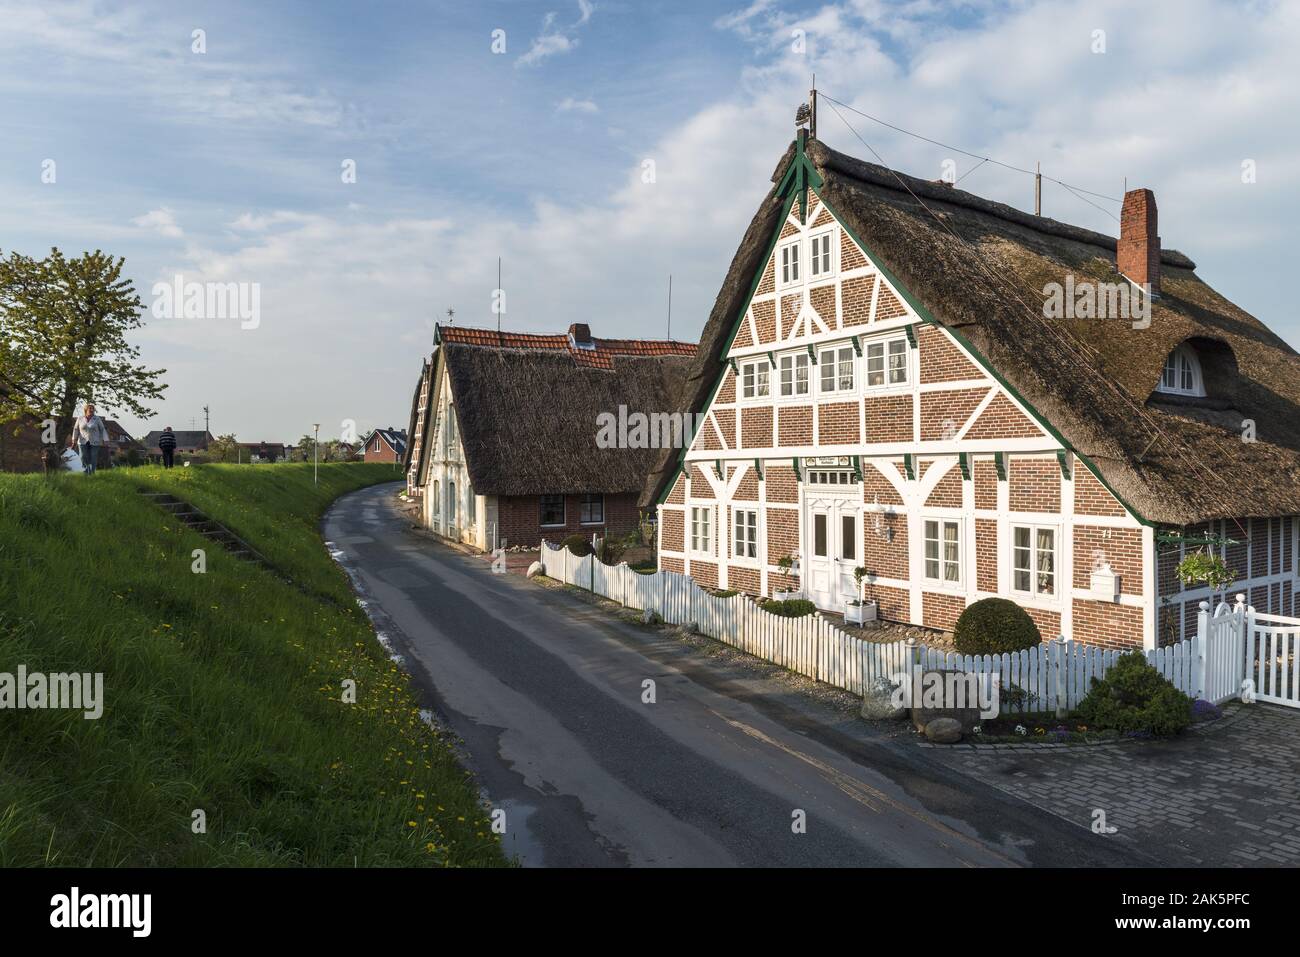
<point x="315" y="455"/>
<point x="670" y="307"/>
<point x="207" y="425"/>
<point x="1038" y="189"/>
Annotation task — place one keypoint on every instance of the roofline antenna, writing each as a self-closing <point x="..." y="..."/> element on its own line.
<point x="670" y="307"/>
<point x="812" y="109"/>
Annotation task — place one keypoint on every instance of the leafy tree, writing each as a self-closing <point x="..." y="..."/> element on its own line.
<point x="224" y="448"/>
<point x="63" y="326"/>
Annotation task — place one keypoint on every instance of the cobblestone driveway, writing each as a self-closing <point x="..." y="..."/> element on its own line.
<point x="1227" y="796"/>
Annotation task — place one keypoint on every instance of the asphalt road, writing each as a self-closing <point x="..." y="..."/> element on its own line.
<point x="545" y="690"/>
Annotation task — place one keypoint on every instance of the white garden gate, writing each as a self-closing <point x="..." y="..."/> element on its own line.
<point x="1248" y="653"/>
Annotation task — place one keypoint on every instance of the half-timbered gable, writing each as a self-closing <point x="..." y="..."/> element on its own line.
<point x="869" y="405"/>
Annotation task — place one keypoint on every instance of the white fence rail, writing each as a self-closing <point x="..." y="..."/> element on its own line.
<point x="1054" y="676"/>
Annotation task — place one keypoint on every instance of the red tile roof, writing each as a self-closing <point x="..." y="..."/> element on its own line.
<point x="600" y="357"/>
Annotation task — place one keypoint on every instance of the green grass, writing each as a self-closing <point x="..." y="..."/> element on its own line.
<point x="223" y="691"/>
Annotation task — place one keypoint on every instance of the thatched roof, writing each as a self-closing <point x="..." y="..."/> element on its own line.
<point x="527" y="407"/>
<point x="978" y="268"/>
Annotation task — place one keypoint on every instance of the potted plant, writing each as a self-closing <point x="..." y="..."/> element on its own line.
<point x="857" y="611"/>
<point x="789" y="565"/>
<point x="1202" y="568"/>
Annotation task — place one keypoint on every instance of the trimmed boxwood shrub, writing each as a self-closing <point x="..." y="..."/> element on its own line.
<point x="790" y="607"/>
<point x="1135" y="698"/>
<point x="577" y="544"/>
<point x="993" y="626"/>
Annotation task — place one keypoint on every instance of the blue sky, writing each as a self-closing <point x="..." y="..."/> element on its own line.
<point x="225" y="165"/>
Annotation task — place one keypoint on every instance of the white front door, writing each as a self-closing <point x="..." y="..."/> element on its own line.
<point x="833" y="550"/>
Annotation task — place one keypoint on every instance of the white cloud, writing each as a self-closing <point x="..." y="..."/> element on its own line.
<point x="161" y="221"/>
<point x="554" y="40"/>
<point x="570" y="105"/>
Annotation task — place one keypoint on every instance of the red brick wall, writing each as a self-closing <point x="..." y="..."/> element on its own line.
<point x="1091" y="497"/>
<point x="756" y="428"/>
<point x="986" y="554"/>
<point x="781" y="485"/>
<point x="1123" y="550"/>
<point x="1107" y="624"/>
<point x="941" y="611"/>
<point x="744" y="579"/>
<point x="953" y="407"/>
<point x="947" y="492"/>
<point x="837" y="423"/>
<point x="877" y="488"/>
<point x="1002" y="420"/>
<point x="855" y="299"/>
<point x="782" y="533"/>
<point x="886" y="559"/>
<point x="520" y="518"/>
<point x="794" y="425"/>
<point x="1035" y="485"/>
<point x="673" y="532"/>
<point x="889" y="418"/>
<point x="20" y="447"/>
<point x="985" y="473"/>
<point x="941" y="360"/>
<point x="1048" y="622"/>
<point x="895" y="603"/>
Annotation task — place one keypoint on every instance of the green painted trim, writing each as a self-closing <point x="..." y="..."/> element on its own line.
<point x="717" y="467"/>
<point x="857" y="346"/>
<point x="1000" y="460"/>
<point x="734" y="370"/>
<point x="812" y="356"/>
<point x="798" y="475"/>
<point x="1063" y="458"/>
<point x="979" y="357"/>
<point x="909" y="468"/>
<point x="911" y="335"/>
<point x="758" y="467"/>
<point x="963" y="460"/>
<point x="771" y="359"/>
<point x="857" y="467"/>
<point x="1177" y="539"/>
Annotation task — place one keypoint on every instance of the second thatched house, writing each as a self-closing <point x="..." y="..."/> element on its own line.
<point x="518" y="437"/>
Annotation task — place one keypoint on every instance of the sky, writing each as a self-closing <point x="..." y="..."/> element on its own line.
<point x="362" y="167"/>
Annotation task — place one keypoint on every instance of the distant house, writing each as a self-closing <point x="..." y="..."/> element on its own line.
<point x="510" y="436"/>
<point x="385" y="445"/>
<point x="415" y="430"/>
<point x="20" y="445"/>
<point x="188" y="442"/>
<point x="263" y="451"/>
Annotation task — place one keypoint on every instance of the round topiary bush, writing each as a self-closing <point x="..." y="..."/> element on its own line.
<point x="993" y="626"/>
<point x="577" y="544"/>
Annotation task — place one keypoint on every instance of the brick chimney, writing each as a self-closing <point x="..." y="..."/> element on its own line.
<point x="1138" y="251"/>
<point x="580" y="334"/>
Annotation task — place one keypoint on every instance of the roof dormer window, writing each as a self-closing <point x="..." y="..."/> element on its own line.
<point x="1182" y="373"/>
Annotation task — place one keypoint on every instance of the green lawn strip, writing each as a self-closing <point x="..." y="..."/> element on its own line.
<point x="223" y="691"/>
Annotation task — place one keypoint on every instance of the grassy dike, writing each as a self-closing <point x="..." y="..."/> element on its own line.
<point x="223" y="691"/>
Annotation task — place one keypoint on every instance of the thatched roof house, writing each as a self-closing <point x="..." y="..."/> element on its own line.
<point x="978" y="268"/>
<point x="509" y="417"/>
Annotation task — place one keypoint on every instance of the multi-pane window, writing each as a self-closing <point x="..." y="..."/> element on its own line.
<point x="702" y="529"/>
<point x="552" y="509"/>
<point x="1182" y="373"/>
<point x="828" y="477"/>
<point x="754" y="379"/>
<point x="745" y="522"/>
<point x="836" y="369"/>
<point x="1033" y="560"/>
<point x="943" y="551"/>
<point x="790" y="263"/>
<point x="819" y="255"/>
<point x="887" y="362"/>
<point x="848" y="538"/>
<point x="794" y="374"/>
<point x="592" y="509"/>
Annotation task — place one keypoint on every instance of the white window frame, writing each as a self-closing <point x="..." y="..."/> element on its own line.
<point x="761" y="366"/>
<point x="837" y="353"/>
<point x="886" y="345"/>
<point x="941" y="524"/>
<point x="737" y="526"/>
<point x="795" y="359"/>
<point x="855" y="521"/>
<point x="787" y="264"/>
<point x="831" y="255"/>
<point x="1034" y="591"/>
<point x="692" y="539"/>
<point x="1186" y="366"/>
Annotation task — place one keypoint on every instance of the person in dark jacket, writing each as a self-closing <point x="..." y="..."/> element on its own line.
<point x="167" y="445"/>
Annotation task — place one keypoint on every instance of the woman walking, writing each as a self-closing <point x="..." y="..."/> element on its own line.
<point x="89" y="432"/>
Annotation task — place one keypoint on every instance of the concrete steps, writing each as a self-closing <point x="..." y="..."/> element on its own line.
<point x="214" y="531"/>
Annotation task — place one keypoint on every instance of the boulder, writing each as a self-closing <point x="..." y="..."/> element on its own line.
<point x="943" y="731"/>
<point x="534" y="569"/>
<point x="881" y="703"/>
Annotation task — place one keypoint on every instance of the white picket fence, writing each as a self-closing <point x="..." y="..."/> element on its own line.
<point x="1055" y="675"/>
